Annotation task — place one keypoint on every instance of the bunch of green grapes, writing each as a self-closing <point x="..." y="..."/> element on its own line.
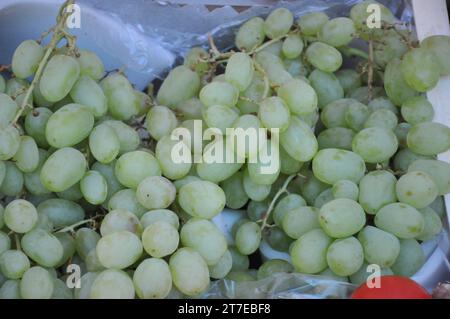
<point x="88" y="176"/>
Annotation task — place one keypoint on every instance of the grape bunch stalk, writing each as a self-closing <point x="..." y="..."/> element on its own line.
<point x="88" y="176"/>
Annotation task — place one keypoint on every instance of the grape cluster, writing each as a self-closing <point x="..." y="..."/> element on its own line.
<point x="88" y="177"/>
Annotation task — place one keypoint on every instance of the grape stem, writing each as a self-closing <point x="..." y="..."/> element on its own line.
<point x="73" y="226"/>
<point x="370" y="71"/>
<point x="349" y="52"/>
<point x="280" y="192"/>
<point x="260" y="69"/>
<point x="5" y="67"/>
<point x="58" y="34"/>
<point x="17" y="239"/>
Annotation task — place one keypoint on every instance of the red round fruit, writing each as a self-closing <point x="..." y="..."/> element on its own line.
<point x="392" y="287"/>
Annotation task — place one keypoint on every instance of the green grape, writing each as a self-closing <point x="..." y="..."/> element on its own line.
<point x="126" y="199"/>
<point x="69" y="125"/>
<point x="123" y="103"/>
<point x="94" y="188"/>
<point x="59" y="76"/>
<point x="416" y="189"/>
<point x="160" y="121"/>
<point x="254" y="191"/>
<point x="92" y="262"/>
<point x="16" y="89"/>
<point x="20" y="216"/>
<point x="8" y="109"/>
<point x="13" y="264"/>
<point x="68" y="244"/>
<point x="107" y="170"/>
<point x="240" y="276"/>
<point x="190" y="109"/>
<point x="2" y="211"/>
<point x="382" y="118"/>
<point x="277" y="239"/>
<point x="334" y="114"/>
<point x="35" y="123"/>
<point x="382" y="103"/>
<point x="27" y="156"/>
<point x="193" y="60"/>
<point x="375" y="144"/>
<point x="266" y="169"/>
<point x="360" y="277"/>
<point x="112" y="284"/>
<point x="336" y="137"/>
<point x="155" y="192"/>
<point x="439" y="46"/>
<point x="390" y="47"/>
<point x="323" y="198"/>
<point x="63" y="169"/>
<point x="296" y="68"/>
<point x="349" y="79"/>
<point x="85" y="240"/>
<point x="240" y="262"/>
<point x="429" y="138"/>
<point x="274" y="113"/>
<point x="361" y="94"/>
<point x="417" y="110"/>
<point x="439" y="171"/>
<point x="2" y="84"/>
<point x="38" y="99"/>
<point x="308" y="253"/>
<point x="13" y="181"/>
<point x="88" y="93"/>
<point x="202" y="199"/>
<point x="380" y="247"/>
<point x="5" y="242"/>
<point x="310" y="187"/>
<point x="118" y="220"/>
<point x="254" y="92"/>
<point x="299" y="221"/>
<point x="345" y="256"/>
<point x="160" y="239"/>
<point x="410" y="259"/>
<point x="235" y="194"/>
<point x="219" y="93"/>
<point x="361" y="15"/>
<point x="43" y="221"/>
<point x="166" y="215"/>
<point x="288" y="165"/>
<point x="152" y="279"/>
<point x="128" y="138"/>
<point x="239" y="71"/>
<point x="36" y="283"/>
<point x="400" y="219"/>
<point x="61" y="291"/>
<point x="133" y="167"/>
<point x="255" y="212"/>
<point x="333" y="165"/>
<point x="329" y="274"/>
<point x="273" y="266"/>
<point x="420" y="69"/>
<point x="222" y="267"/>
<point x="205" y="238"/>
<point x="292" y="46"/>
<point x="273" y="67"/>
<point x="396" y="88"/>
<point x="180" y="84"/>
<point x="406" y="157"/>
<point x="432" y="226"/>
<point x="338" y="32"/>
<point x="401" y="131"/>
<point x="85" y="285"/>
<point x="342" y="218"/>
<point x="376" y="190"/>
<point x="247" y="138"/>
<point x="26" y="59"/>
<point x="324" y="57"/>
<point x="286" y="204"/>
<point x="299" y="96"/>
<point x="248" y="238"/>
<point x="90" y="64"/>
<point x="10" y="290"/>
<point x="250" y="35"/>
<point x="104" y="143"/>
<point x="345" y="189"/>
<point x="189" y="271"/>
<point x="299" y="141"/>
<point x="219" y="116"/>
<point x="278" y="23"/>
<point x="311" y="23"/>
<point x="42" y="247"/>
<point x="185" y="180"/>
<point x="119" y="249"/>
<point x="9" y="142"/>
<point x="356" y="115"/>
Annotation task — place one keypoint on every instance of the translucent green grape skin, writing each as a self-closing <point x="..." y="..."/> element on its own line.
<point x="299" y="141"/>
<point x="429" y="138"/>
<point x="9" y="142"/>
<point x="35" y="123"/>
<point x="59" y="76"/>
<point x="416" y="189"/>
<point x="417" y="110"/>
<point x="342" y="218"/>
<point x="420" y="69"/>
<point x="278" y="23"/>
<point x="181" y="84"/>
<point x="152" y="279"/>
<point x="20" y="216"/>
<point x="94" y="187"/>
<point x="345" y="256"/>
<point x="439" y="171"/>
<point x="292" y="46"/>
<point x="345" y="189"/>
<point x="380" y="247"/>
<point x="91" y="65"/>
<point x="104" y="143"/>
<point x="324" y="57"/>
<point x="42" y="247"/>
<point x="133" y="167"/>
<point x="235" y="194"/>
<point x="311" y="23"/>
<point x="336" y="137"/>
<point x="62" y="169"/>
<point x="13" y="180"/>
<point x="250" y="34"/>
<point x="202" y="199"/>
<point x="332" y="165"/>
<point x="433" y="224"/>
<point x="375" y="144"/>
<point x="27" y="156"/>
<point x="26" y="58"/>
<point x="439" y="46"/>
<point x="349" y="79"/>
<point x="396" y="88"/>
<point x="299" y="96"/>
<point x="382" y="118"/>
<point x="248" y="238"/>
<point x="402" y="220"/>
<point x="338" y="32"/>
<point x="87" y="92"/>
<point x="219" y="93"/>
<point x="69" y="125"/>
<point x="299" y="221"/>
<point x="327" y="87"/>
<point x="8" y="109"/>
<point x="112" y="284"/>
<point x="410" y="259"/>
<point x="37" y="283"/>
<point x="308" y="253"/>
<point x="376" y="190"/>
<point x="119" y="250"/>
<point x="239" y="70"/>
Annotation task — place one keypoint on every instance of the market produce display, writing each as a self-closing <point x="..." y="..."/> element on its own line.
<point x="344" y="175"/>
